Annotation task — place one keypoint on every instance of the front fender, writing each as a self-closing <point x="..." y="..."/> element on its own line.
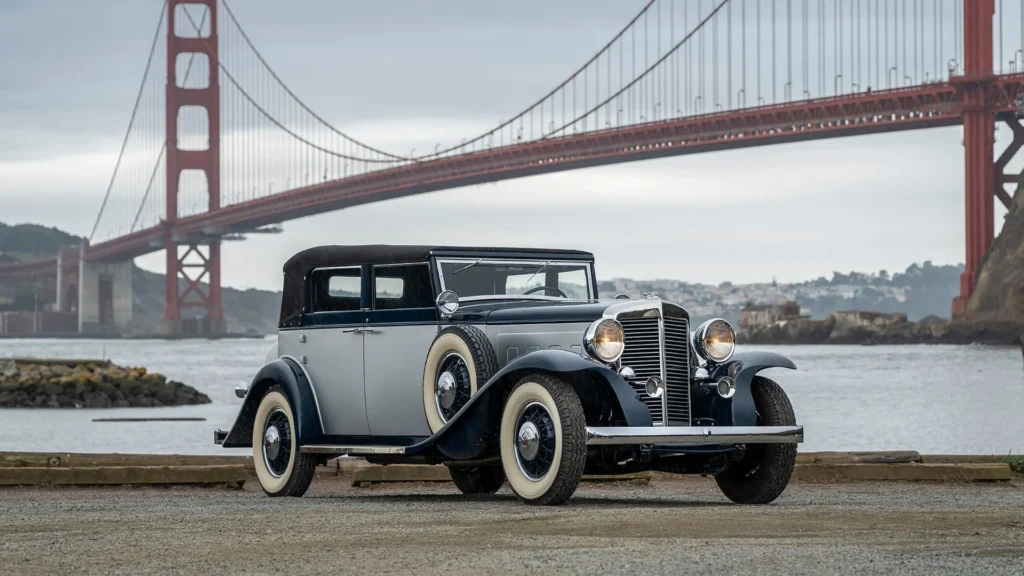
<point x="288" y="374"/>
<point x="739" y="409"/>
<point x="475" y="427"/>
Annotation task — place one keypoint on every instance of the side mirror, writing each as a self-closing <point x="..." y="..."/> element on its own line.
<point x="447" y="303"/>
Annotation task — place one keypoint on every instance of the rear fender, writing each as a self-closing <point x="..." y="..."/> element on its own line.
<point x="474" y="429"/>
<point x="739" y="410"/>
<point x="290" y="376"/>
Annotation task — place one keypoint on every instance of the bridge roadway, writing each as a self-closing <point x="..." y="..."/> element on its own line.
<point x="926" y="106"/>
<point x="669" y="527"/>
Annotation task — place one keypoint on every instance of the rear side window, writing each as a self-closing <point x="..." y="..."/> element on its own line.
<point x="404" y="286"/>
<point x="335" y="290"/>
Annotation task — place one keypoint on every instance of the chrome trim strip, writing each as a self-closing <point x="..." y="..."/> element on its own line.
<point x="342" y="450"/>
<point x="664" y="370"/>
<point x="694" y="435"/>
<point x="309" y="379"/>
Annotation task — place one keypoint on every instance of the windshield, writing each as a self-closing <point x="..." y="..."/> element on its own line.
<point x="476" y="277"/>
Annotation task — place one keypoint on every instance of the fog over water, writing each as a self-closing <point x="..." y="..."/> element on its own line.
<point x="933" y="399"/>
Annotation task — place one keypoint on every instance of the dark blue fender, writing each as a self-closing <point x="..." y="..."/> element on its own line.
<point x="475" y="427"/>
<point x="288" y="374"/>
<point x="739" y="410"/>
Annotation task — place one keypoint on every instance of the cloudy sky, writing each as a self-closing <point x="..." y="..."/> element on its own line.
<point x="412" y="71"/>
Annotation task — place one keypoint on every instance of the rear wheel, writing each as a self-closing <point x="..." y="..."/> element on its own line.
<point x="543" y="440"/>
<point x="485" y="479"/>
<point x="764" y="472"/>
<point x="280" y="468"/>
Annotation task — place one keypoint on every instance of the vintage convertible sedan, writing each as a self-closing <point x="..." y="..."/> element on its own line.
<point x="503" y="364"/>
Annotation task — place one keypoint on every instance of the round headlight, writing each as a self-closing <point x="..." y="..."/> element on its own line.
<point x="715" y="340"/>
<point x="604" y="340"/>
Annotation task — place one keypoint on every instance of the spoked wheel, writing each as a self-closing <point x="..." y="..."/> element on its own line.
<point x="459" y="361"/>
<point x="486" y="479"/>
<point x="764" y="472"/>
<point x="281" y="469"/>
<point x="543" y="440"/>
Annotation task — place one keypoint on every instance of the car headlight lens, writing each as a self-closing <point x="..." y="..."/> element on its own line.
<point x="715" y="340"/>
<point x="604" y="340"/>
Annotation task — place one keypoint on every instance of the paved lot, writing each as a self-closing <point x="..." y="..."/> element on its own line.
<point x="668" y="527"/>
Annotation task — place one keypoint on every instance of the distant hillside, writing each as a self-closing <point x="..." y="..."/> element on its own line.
<point x="22" y="242"/>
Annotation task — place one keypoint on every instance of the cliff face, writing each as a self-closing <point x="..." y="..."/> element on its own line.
<point x="999" y="294"/>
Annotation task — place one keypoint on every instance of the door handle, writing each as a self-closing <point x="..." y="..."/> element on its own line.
<point x="360" y="330"/>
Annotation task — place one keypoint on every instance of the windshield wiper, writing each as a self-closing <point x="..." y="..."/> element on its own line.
<point x="539" y="270"/>
<point x="468" y="267"/>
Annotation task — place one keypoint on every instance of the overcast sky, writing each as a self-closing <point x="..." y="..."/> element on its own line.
<point x="438" y="70"/>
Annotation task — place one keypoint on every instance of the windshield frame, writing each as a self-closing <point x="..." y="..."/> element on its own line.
<point x="466" y="261"/>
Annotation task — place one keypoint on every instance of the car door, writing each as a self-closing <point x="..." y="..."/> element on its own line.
<point x="399" y="330"/>
<point x="332" y="344"/>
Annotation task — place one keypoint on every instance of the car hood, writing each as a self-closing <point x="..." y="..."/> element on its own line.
<point x="530" y="311"/>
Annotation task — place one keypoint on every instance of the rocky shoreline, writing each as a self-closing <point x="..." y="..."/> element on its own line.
<point x="876" y="328"/>
<point x="38" y="383"/>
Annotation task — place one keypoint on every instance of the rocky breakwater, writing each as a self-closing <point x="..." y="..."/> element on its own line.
<point x="856" y="327"/>
<point x="35" y="383"/>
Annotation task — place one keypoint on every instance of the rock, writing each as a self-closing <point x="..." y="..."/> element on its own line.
<point x="999" y="292"/>
<point x="61" y="384"/>
<point x="8" y="369"/>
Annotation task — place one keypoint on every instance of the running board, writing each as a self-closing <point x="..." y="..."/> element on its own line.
<point x="343" y="450"/>
<point x="695" y="435"/>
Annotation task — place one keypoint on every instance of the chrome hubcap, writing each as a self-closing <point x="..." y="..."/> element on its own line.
<point x="272" y="442"/>
<point x="446" y="390"/>
<point x="529" y="441"/>
<point x="277" y="443"/>
<point x="452" y="386"/>
<point x="535" y="441"/>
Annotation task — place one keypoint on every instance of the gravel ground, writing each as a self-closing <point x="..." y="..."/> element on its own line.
<point x="668" y="527"/>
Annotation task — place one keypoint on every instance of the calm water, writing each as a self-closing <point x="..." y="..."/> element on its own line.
<point x="934" y="399"/>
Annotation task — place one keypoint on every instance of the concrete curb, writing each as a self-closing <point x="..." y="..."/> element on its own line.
<point x="45" y="468"/>
<point x="902" y="473"/>
<point x="234" y="476"/>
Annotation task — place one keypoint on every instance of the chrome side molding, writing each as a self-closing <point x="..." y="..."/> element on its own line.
<point x="695" y="435"/>
<point x="342" y="450"/>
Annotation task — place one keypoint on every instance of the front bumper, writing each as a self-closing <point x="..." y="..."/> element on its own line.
<point x="694" y="435"/>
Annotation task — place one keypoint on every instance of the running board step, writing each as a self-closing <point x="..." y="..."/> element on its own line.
<point x="343" y="450"/>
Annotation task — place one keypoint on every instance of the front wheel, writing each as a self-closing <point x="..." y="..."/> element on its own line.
<point x="764" y="471"/>
<point x="281" y="469"/>
<point x="543" y="440"/>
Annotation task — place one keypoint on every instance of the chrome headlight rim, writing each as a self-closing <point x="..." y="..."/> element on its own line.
<point x="590" y="347"/>
<point x="700" y="345"/>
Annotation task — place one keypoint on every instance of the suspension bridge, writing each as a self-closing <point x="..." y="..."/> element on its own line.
<point x="218" y="146"/>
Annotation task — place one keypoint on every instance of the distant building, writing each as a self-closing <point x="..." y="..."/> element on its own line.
<point x="753" y="315"/>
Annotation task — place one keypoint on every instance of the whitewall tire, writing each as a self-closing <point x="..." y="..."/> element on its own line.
<point x="280" y="468"/>
<point x="543" y="440"/>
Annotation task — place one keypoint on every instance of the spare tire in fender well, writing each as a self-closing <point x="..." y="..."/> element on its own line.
<point x="287" y="373"/>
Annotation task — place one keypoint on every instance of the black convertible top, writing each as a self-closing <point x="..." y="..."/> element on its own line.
<point x="299" y="265"/>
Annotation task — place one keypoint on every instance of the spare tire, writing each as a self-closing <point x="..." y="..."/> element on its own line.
<point x="459" y="361"/>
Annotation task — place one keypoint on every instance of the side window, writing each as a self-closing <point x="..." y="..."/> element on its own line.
<point x="336" y="290"/>
<point x="405" y="286"/>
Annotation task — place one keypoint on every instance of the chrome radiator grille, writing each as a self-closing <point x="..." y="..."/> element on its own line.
<point x="677" y="370"/>
<point x="643" y="353"/>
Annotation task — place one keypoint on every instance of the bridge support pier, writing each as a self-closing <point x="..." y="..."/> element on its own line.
<point x="104" y="296"/>
<point x="979" y="138"/>
<point x="194" y="286"/>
